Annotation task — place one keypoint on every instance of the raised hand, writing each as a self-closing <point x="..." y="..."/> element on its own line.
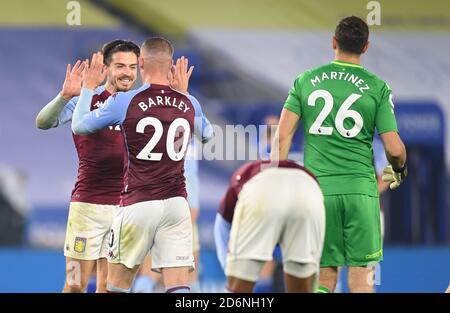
<point x="179" y="75"/>
<point x="72" y="83"/>
<point x="95" y="73"/>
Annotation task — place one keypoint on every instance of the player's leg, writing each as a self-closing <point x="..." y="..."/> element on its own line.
<point x="146" y="280"/>
<point x="102" y="263"/>
<point x="362" y="237"/>
<point x="102" y="274"/>
<point x="243" y="274"/>
<point x="132" y="234"/>
<point x="87" y="226"/>
<point x="176" y="279"/>
<point x="305" y="219"/>
<point x="360" y="279"/>
<point x="172" y="247"/>
<point x="239" y="285"/>
<point x="120" y="277"/>
<point x="333" y="254"/>
<point x="328" y="279"/>
<point x="78" y="273"/>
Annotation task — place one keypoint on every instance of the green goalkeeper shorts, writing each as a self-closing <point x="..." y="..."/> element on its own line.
<point x="353" y="231"/>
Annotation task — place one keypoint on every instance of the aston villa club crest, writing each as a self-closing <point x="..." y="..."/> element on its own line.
<point x="80" y="245"/>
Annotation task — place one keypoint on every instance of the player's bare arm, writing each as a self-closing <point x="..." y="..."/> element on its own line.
<point x="282" y="141"/>
<point x="395" y="149"/>
<point x="396" y="155"/>
<point x="179" y="75"/>
<point x="48" y="116"/>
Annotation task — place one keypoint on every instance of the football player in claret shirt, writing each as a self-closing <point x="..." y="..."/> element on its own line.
<point x="269" y="204"/>
<point x="157" y="123"/>
<point x="96" y="194"/>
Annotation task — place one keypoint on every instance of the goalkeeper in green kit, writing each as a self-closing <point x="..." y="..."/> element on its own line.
<point x="341" y="104"/>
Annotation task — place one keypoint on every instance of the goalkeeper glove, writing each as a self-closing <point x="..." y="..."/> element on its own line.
<point x="393" y="176"/>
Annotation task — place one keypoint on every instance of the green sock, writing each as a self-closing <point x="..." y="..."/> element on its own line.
<point x="322" y="289"/>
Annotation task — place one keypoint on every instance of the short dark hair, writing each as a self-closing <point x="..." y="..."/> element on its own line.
<point x="352" y="34"/>
<point x="158" y="45"/>
<point x="118" y="45"/>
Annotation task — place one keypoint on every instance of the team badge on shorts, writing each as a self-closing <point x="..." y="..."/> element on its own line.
<point x="80" y="244"/>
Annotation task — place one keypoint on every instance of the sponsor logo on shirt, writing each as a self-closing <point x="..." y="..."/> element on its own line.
<point x="99" y="104"/>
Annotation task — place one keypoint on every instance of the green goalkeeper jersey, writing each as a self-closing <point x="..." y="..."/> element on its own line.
<point x="341" y="104"/>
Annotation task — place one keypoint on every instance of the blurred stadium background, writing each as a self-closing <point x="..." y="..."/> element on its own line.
<point x="247" y="54"/>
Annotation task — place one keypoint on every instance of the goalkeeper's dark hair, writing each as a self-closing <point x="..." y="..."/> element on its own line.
<point x="118" y="45"/>
<point x="352" y="34"/>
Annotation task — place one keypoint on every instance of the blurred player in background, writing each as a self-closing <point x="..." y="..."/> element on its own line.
<point x="341" y="104"/>
<point x="96" y="195"/>
<point x="268" y="204"/>
<point x="157" y="122"/>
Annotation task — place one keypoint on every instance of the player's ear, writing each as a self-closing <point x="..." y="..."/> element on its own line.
<point x="141" y="62"/>
<point x="106" y="69"/>
<point x="170" y="74"/>
<point x="334" y="43"/>
<point x="366" y="47"/>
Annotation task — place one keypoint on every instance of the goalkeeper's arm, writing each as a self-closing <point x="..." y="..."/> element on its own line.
<point x="396" y="155"/>
<point x="281" y="143"/>
<point x="395" y="149"/>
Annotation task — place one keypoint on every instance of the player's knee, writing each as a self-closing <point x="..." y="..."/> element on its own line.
<point x="301" y="277"/>
<point x="247" y="270"/>
<point x="300" y="270"/>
